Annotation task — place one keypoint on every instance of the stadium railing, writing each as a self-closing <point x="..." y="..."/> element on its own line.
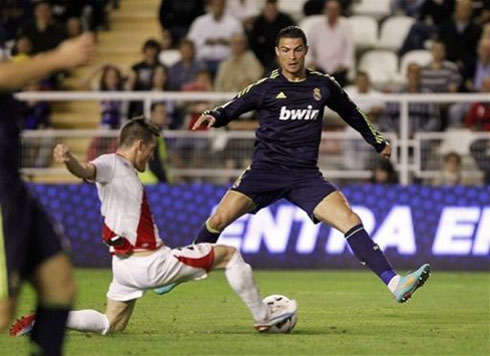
<point x="220" y="155"/>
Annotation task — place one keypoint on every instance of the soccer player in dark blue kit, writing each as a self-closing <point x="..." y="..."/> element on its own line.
<point x="30" y="245"/>
<point x="290" y="104"/>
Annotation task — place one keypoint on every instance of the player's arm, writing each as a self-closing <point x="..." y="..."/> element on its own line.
<point x="248" y="99"/>
<point x="69" y="54"/>
<point x="340" y="102"/>
<point x="62" y="154"/>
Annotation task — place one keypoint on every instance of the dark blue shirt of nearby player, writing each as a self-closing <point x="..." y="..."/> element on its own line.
<point x="290" y="117"/>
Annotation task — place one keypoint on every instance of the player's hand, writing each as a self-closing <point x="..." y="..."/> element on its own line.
<point x="386" y="153"/>
<point x="75" y="52"/>
<point x="204" y="120"/>
<point x="61" y="153"/>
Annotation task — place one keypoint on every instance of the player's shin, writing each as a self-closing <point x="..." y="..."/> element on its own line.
<point x="207" y="234"/>
<point x="369" y="253"/>
<point x="239" y="276"/>
<point x="88" y="320"/>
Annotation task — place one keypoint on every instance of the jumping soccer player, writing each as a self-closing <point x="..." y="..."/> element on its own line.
<point x="290" y="104"/>
<point x="140" y="260"/>
<point x="30" y="246"/>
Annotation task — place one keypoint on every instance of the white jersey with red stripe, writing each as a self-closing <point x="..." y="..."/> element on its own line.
<point x="128" y="222"/>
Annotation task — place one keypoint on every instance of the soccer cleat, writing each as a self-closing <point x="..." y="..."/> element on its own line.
<point x="165" y="289"/>
<point x="23" y="325"/>
<point x="410" y="283"/>
<point x="276" y="316"/>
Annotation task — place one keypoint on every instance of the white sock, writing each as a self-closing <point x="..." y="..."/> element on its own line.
<point x="88" y="320"/>
<point x="239" y="275"/>
<point x="393" y="283"/>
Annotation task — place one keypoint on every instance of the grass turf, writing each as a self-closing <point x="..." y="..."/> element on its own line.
<point x="341" y="312"/>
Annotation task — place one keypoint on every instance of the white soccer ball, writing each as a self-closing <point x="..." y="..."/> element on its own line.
<point x="277" y="301"/>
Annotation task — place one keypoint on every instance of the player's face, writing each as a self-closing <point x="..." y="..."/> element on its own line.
<point x="291" y="53"/>
<point x="144" y="154"/>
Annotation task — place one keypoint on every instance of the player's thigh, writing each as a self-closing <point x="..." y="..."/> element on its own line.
<point x="233" y="205"/>
<point x="335" y="211"/>
<point x="53" y="279"/>
<point x="119" y="313"/>
<point x="7" y="311"/>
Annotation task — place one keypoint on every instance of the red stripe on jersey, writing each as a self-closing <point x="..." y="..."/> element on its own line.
<point x="205" y="262"/>
<point x="146" y="231"/>
<point x="107" y="233"/>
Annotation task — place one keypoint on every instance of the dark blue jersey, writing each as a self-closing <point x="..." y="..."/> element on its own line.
<point x="290" y="117"/>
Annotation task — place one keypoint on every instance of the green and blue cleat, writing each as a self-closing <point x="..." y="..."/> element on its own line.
<point x="165" y="289"/>
<point x="410" y="283"/>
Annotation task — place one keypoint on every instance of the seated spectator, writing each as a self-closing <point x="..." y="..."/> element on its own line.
<point x="440" y="76"/>
<point x="244" y="10"/>
<point x="450" y="173"/>
<point x="337" y="57"/>
<point x="384" y="173"/>
<point x="480" y="151"/>
<point x="43" y="31"/>
<point x="74" y="27"/>
<point x="478" y="117"/>
<point x="482" y="67"/>
<point x="185" y="70"/>
<point x="262" y="37"/>
<point x="157" y="171"/>
<point x="432" y="15"/>
<point x="160" y="84"/>
<point x="177" y="16"/>
<point x="111" y="79"/>
<point x="22" y="49"/>
<point x="407" y="7"/>
<point x="240" y="70"/>
<point x="167" y="40"/>
<point x="460" y="36"/>
<point x="211" y="34"/>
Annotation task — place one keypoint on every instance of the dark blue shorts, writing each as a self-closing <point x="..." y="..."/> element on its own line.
<point x="27" y="235"/>
<point x="263" y="184"/>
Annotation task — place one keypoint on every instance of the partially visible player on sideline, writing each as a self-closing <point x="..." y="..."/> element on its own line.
<point x="140" y="259"/>
<point x="290" y="104"/>
<point x="30" y="246"/>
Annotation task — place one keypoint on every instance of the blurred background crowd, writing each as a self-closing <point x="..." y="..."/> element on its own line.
<point x="370" y="46"/>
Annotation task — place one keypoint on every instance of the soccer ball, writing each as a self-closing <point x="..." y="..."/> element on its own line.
<point x="275" y="302"/>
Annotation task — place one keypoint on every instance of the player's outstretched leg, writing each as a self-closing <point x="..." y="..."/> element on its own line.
<point x="335" y="211"/>
<point x="240" y="278"/>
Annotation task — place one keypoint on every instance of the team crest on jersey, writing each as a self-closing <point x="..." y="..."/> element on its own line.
<point x="317" y="94"/>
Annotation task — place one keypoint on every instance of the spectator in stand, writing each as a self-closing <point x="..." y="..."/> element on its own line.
<point x="160" y="84"/>
<point x="212" y="33"/>
<point x="44" y="32"/>
<point x="157" y="171"/>
<point x="384" y="173"/>
<point x="262" y="37"/>
<point x="441" y="75"/>
<point x="22" y="49"/>
<point x="407" y="7"/>
<point x="482" y="69"/>
<point x="478" y="117"/>
<point x="432" y="15"/>
<point x="240" y="69"/>
<point x="461" y="36"/>
<point x="331" y="43"/>
<point x="244" y="10"/>
<point x="74" y="27"/>
<point x="450" y="173"/>
<point x="177" y="16"/>
<point x="185" y="70"/>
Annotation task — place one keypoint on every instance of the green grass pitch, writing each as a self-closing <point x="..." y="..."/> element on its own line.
<point x="340" y="312"/>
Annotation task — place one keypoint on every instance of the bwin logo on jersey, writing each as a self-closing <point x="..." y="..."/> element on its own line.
<point x="298" y="114"/>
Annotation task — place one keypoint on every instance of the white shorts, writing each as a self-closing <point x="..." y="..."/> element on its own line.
<point x="132" y="276"/>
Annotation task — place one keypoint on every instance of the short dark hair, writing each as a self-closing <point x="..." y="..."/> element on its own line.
<point x="291" y="32"/>
<point x="137" y="129"/>
<point x="152" y="43"/>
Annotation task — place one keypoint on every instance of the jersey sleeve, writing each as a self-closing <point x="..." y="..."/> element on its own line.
<point x="104" y="168"/>
<point x="248" y="99"/>
<point x="340" y="102"/>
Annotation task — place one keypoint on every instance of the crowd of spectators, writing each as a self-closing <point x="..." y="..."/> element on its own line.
<point x="224" y="45"/>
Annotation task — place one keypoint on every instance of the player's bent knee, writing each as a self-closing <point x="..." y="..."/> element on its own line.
<point x="218" y="221"/>
<point x="223" y="255"/>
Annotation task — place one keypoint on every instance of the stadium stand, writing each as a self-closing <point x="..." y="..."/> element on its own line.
<point x="393" y="31"/>
<point x="377" y="9"/>
<point x="365" y="30"/>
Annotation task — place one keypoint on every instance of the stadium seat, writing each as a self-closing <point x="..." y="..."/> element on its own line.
<point x="421" y="56"/>
<point x="393" y="32"/>
<point x="307" y="24"/>
<point x="381" y="65"/>
<point x="169" y="57"/>
<point x="374" y="8"/>
<point x="365" y="30"/>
